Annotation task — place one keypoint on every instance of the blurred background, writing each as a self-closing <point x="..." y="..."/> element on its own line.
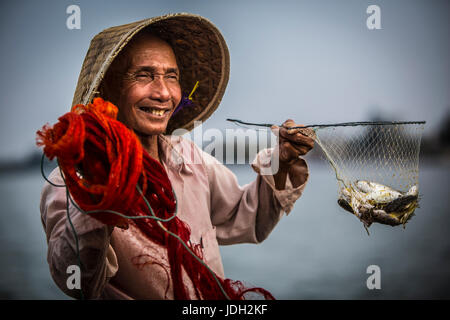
<point x="312" y="61"/>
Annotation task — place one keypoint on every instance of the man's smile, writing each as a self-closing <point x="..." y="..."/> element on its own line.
<point x="157" y="112"/>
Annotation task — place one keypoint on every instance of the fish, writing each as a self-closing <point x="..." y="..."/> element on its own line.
<point x="377" y="192"/>
<point x="371" y="201"/>
<point x="353" y="201"/>
<point x="345" y="205"/>
<point x="413" y="191"/>
<point x="400" y="204"/>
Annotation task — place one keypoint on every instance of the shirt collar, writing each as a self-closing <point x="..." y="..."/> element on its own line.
<point x="171" y="153"/>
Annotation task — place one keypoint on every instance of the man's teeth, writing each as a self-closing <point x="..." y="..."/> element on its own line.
<point x="155" y="112"/>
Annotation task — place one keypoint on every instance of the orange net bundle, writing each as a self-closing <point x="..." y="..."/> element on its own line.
<point x="106" y="170"/>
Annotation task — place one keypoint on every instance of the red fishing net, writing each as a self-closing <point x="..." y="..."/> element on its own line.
<point x="105" y="167"/>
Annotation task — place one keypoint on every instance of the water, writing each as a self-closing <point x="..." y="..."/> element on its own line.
<point x="319" y="251"/>
<point x="24" y="270"/>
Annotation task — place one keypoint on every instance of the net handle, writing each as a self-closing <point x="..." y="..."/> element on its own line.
<point x="343" y="124"/>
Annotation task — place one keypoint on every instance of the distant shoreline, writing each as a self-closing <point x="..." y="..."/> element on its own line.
<point x="33" y="163"/>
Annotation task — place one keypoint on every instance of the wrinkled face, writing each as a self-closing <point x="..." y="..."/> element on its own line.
<point x="150" y="90"/>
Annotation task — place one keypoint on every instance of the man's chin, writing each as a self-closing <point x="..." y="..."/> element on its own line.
<point x="154" y="131"/>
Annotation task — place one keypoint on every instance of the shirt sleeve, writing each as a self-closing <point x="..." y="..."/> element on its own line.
<point x="98" y="259"/>
<point x="248" y="213"/>
<point x="287" y="196"/>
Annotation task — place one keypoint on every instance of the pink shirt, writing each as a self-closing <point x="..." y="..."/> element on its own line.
<point x="123" y="264"/>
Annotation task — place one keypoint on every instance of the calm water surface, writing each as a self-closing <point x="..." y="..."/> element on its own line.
<point x="317" y="252"/>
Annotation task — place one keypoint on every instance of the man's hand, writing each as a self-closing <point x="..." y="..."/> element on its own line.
<point x="292" y="144"/>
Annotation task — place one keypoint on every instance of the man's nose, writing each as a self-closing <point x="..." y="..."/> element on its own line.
<point x="159" y="90"/>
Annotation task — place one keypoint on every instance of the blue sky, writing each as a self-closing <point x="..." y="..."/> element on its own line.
<point x="314" y="61"/>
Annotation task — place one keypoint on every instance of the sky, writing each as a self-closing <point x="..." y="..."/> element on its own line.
<point x="314" y="61"/>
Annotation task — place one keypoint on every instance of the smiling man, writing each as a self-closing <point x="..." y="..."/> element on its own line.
<point x="146" y="87"/>
<point x="142" y="68"/>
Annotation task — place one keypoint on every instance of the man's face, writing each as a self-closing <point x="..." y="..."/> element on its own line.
<point x="150" y="90"/>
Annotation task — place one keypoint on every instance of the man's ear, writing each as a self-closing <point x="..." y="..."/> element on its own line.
<point x="112" y="83"/>
<point x="110" y="89"/>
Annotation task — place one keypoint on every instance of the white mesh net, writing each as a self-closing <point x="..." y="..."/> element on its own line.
<point x="377" y="168"/>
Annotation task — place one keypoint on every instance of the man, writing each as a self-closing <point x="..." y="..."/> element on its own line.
<point x="142" y="68"/>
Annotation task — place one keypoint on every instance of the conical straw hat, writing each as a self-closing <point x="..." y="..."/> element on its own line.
<point x="201" y="52"/>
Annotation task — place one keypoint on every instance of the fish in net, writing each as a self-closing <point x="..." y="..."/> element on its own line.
<point x="376" y="166"/>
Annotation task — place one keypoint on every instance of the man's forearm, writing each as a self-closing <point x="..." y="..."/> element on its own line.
<point x="280" y="177"/>
<point x="298" y="173"/>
